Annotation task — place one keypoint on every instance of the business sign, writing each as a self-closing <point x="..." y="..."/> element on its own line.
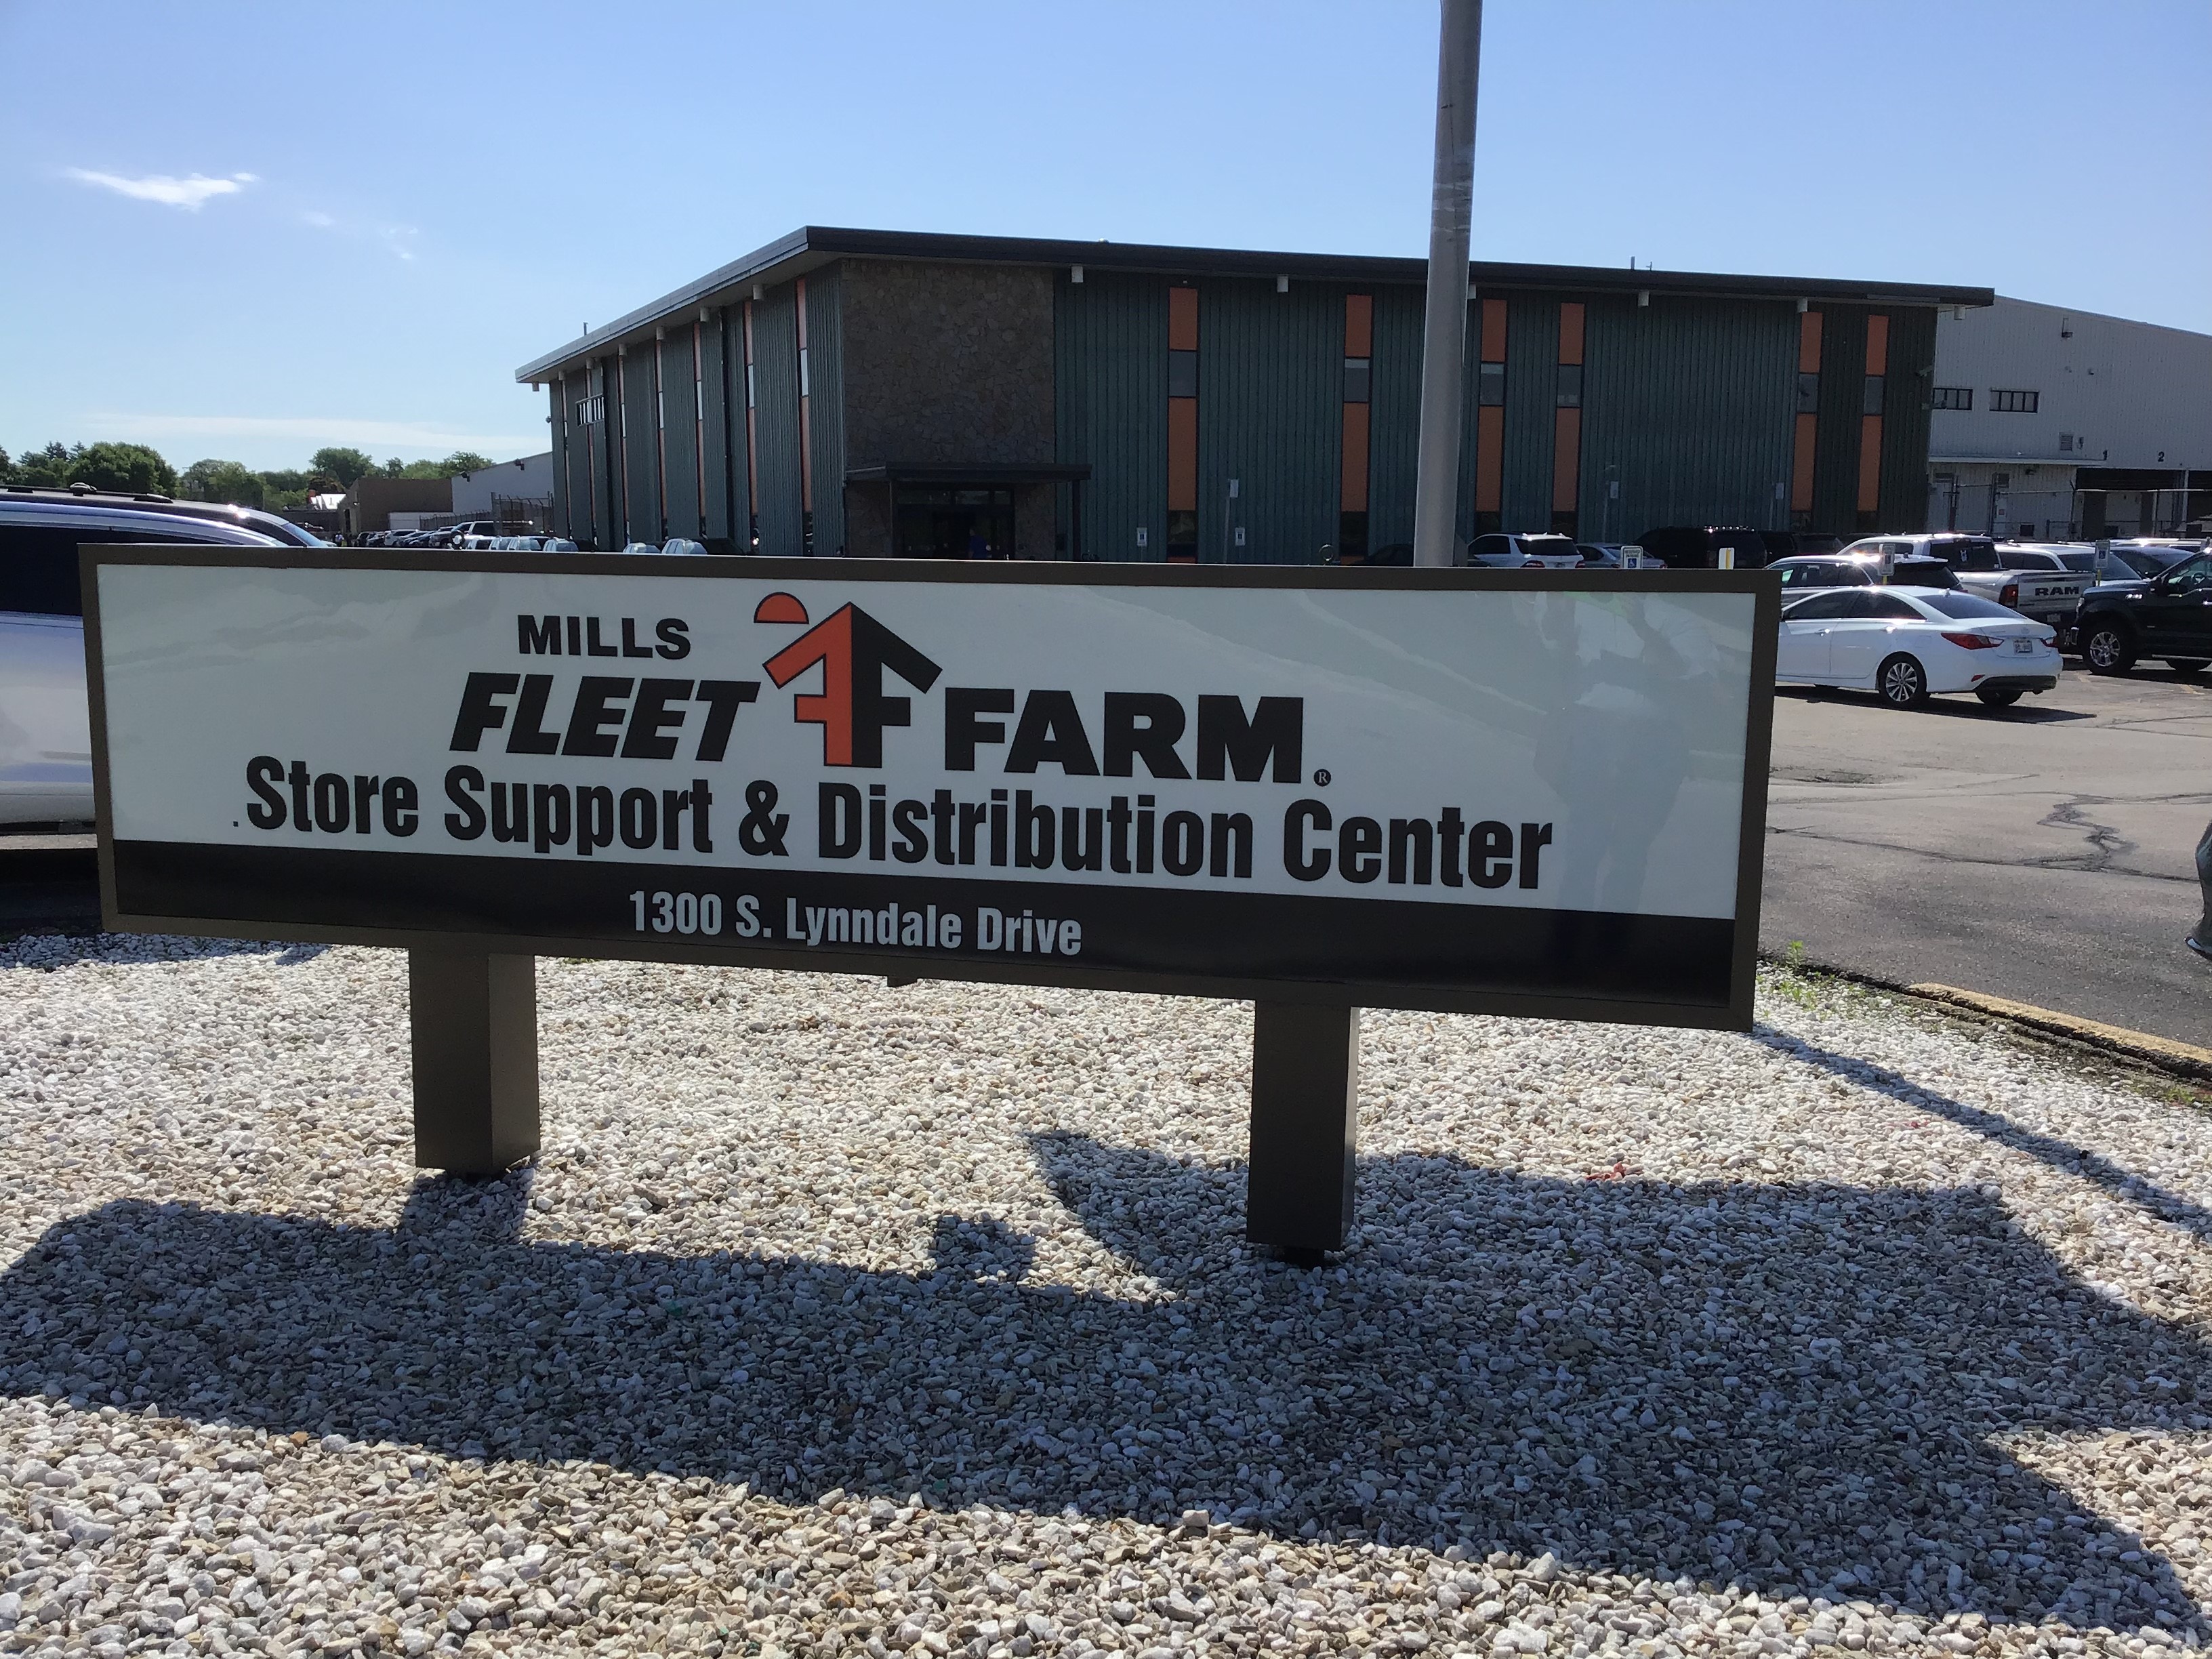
<point x="1520" y="792"/>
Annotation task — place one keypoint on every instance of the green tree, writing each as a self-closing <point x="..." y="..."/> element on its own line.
<point x="131" y="467"/>
<point x="461" y="461"/>
<point x="224" y="481"/>
<point x="49" y="466"/>
<point x="7" y="472"/>
<point x="344" y="466"/>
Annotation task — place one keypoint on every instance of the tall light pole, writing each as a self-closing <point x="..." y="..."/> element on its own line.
<point x="1444" y="344"/>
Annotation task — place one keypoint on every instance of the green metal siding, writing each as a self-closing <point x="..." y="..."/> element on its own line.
<point x="1270" y="416"/>
<point x="1532" y="356"/>
<point x="572" y="511"/>
<point x="1836" y="446"/>
<point x="641" y="447"/>
<point x="1111" y="406"/>
<point x="1688" y="405"/>
<point x="775" y="422"/>
<point x="1393" y="415"/>
<point x="725" y="460"/>
<point x="607" y="457"/>
<point x="826" y="407"/>
<point x="679" y="436"/>
<point x="1905" y="418"/>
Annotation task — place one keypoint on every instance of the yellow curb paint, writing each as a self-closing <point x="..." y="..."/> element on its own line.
<point x="2162" y="1052"/>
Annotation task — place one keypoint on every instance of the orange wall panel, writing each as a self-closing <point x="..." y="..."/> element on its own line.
<point x="1182" y="454"/>
<point x="1869" y="463"/>
<point x="1358" y="325"/>
<point x="1800" y="464"/>
<point x="1808" y="343"/>
<point x="1571" y="333"/>
<point x="1355" y="458"/>
<point x="1877" y="345"/>
<point x="1182" y="319"/>
<point x="1567" y="458"/>
<point x="1489" y="457"/>
<point x="1493" y="336"/>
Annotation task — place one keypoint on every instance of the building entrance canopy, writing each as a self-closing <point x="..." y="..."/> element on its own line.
<point x="965" y="512"/>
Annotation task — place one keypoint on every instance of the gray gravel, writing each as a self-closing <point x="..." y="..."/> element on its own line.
<point x="836" y="1318"/>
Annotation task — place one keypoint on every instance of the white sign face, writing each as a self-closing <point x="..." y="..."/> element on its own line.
<point x="1430" y="789"/>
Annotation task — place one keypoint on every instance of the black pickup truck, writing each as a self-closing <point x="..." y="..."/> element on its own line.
<point x="2167" y="616"/>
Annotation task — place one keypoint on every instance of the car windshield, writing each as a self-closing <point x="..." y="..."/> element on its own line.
<point x="2084" y="562"/>
<point x="2144" y="560"/>
<point x="1966" y="607"/>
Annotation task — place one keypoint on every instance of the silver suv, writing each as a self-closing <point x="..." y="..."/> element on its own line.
<point x="46" y="723"/>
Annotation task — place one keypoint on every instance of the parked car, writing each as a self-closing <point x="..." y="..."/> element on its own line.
<point x="241" y="517"/>
<point x="1687" y="547"/>
<point x="2167" y="616"/>
<point x="1497" y="552"/>
<point x="46" y="723"/>
<point x="1798" y="544"/>
<point x="2045" y="596"/>
<point x="1907" y="644"/>
<point x="1802" y="576"/>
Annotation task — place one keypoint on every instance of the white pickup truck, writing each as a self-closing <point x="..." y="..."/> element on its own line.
<point x="2036" y="590"/>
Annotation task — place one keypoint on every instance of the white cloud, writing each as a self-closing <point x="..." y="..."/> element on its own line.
<point x="320" y="220"/>
<point x="308" y="432"/>
<point x="192" y="194"/>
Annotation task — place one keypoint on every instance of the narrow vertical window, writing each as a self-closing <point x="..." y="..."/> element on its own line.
<point x="1352" y="534"/>
<point x="1809" y="420"/>
<point x="1490" y="420"/>
<point x="1183" y="426"/>
<point x="1870" y="396"/>
<point x="1567" y="421"/>
<point x="752" y="442"/>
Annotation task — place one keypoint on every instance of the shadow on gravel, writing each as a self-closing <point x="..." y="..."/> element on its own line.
<point x="1786" y="1385"/>
<point x="49" y="950"/>
<point x="2059" y="1154"/>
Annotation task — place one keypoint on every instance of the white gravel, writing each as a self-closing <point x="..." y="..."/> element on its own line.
<point x="836" y="1318"/>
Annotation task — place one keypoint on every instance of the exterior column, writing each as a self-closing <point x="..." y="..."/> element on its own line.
<point x="1305" y="1128"/>
<point x="473" y="1016"/>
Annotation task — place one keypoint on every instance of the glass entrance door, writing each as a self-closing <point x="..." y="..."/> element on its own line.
<point x="955" y="524"/>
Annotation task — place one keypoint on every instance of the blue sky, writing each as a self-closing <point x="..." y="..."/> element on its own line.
<point x="248" y="230"/>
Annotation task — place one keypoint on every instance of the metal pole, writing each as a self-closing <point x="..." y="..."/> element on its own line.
<point x="1443" y="350"/>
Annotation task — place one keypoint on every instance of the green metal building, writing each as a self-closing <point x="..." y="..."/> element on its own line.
<point x="879" y="392"/>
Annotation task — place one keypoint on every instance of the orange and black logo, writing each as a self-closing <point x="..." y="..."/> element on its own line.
<point x="853" y="649"/>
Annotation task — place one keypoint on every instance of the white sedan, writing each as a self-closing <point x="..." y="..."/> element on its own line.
<point x="1907" y="643"/>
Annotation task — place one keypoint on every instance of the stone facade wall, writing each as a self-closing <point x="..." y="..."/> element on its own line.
<point x="946" y="364"/>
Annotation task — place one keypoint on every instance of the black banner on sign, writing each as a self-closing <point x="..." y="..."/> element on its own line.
<point x="1421" y="954"/>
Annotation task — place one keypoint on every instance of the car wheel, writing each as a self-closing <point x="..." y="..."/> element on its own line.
<point x="1902" y="681"/>
<point x="2186" y="665"/>
<point x="2107" y="649"/>
<point x="1999" y="699"/>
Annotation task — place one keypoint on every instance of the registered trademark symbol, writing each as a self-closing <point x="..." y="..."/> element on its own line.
<point x="1321" y="778"/>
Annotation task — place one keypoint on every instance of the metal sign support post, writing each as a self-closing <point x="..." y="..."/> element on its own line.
<point x="473" y="1016"/>
<point x="1305" y="1129"/>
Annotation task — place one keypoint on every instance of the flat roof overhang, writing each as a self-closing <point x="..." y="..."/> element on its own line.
<point x="931" y="474"/>
<point x="812" y="246"/>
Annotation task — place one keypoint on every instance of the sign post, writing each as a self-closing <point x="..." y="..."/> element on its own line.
<point x="1535" y="792"/>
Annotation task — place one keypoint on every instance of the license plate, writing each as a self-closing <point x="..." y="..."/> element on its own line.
<point x="2022" y="647"/>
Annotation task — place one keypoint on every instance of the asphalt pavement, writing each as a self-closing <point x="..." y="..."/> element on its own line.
<point x="2043" y="852"/>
